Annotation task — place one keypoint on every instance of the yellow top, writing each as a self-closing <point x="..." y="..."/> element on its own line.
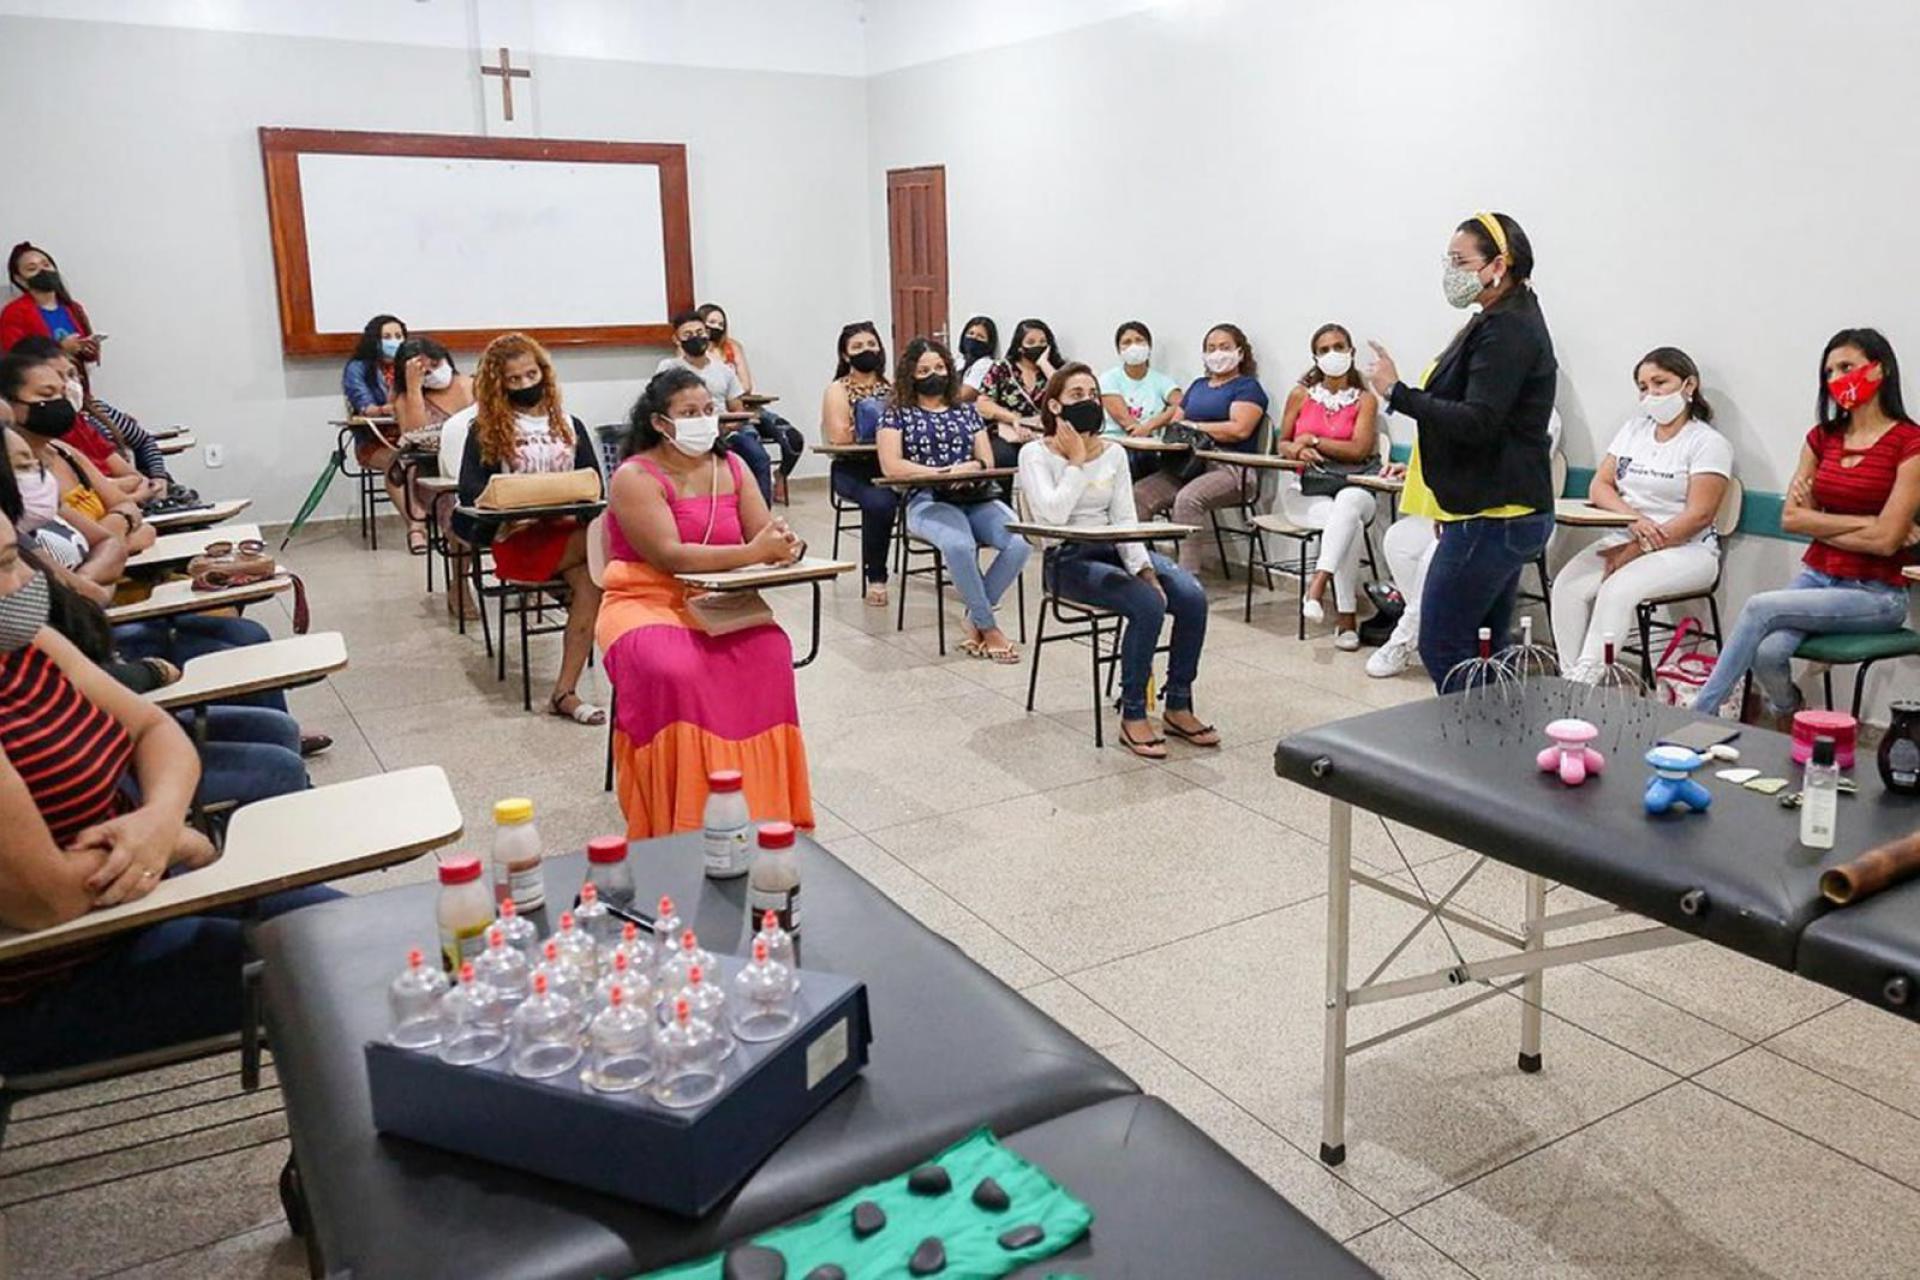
<point x="513" y="811"/>
<point x="1416" y="499"/>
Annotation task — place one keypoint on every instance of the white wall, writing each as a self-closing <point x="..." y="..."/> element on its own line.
<point x="1733" y="178"/>
<point x="151" y="196"/>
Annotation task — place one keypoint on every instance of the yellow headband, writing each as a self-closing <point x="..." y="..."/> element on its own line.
<point x="1498" y="232"/>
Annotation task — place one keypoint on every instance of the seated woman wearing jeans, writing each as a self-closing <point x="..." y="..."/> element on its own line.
<point x="850" y="414"/>
<point x="1855" y="493"/>
<point x="93" y="826"/>
<point x="1668" y="469"/>
<point x="925" y="432"/>
<point x="1330" y="418"/>
<point x="1074" y="477"/>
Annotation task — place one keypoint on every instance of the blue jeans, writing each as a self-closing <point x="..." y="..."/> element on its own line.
<point x="879" y="507"/>
<point x="251" y="754"/>
<point x="1095" y="576"/>
<point x="1471" y="583"/>
<point x="193" y="635"/>
<point x="746" y="445"/>
<point x="959" y="531"/>
<point x="1772" y="625"/>
<point x="171" y="984"/>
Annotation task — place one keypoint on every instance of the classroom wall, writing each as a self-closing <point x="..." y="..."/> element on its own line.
<point x="146" y="184"/>
<point x="1733" y="178"/>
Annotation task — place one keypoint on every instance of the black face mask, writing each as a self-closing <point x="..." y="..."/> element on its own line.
<point x="866" y="361"/>
<point x="50" y="418"/>
<point x="973" y="349"/>
<point x="933" y="384"/>
<point x="45" y="280"/>
<point x="694" y="346"/>
<point x="527" y="397"/>
<point x="1033" y="353"/>
<point x="1083" y="416"/>
<point x="716" y="335"/>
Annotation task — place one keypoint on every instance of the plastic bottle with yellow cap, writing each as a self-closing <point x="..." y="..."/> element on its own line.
<point x="517" y="857"/>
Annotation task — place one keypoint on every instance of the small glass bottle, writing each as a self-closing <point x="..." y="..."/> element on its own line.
<point x="726" y="826"/>
<point x="562" y="975"/>
<point x="638" y="948"/>
<point x="1820" y="797"/>
<point x="503" y="968"/>
<point x="414" y="1000"/>
<point x="579" y="949"/>
<point x="621" y="973"/>
<point x="609" y="870"/>
<point x="1900" y="749"/>
<point x="468" y="1032"/>
<point x="522" y="935"/>
<point x="686" y="1067"/>
<point x="463" y="910"/>
<point x="780" y="945"/>
<point x="620" y="1045"/>
<point x="591" y="917"/>
<point x="761" y="1003"/>
<point x="518" y="856"/>
<point x="546" y="1033"/>
<point x="708" y="1000"/>
<point x="774" y="883"/>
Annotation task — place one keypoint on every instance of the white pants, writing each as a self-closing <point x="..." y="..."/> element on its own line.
<point x="1340" y="519"/>
<point x="1409" y="547"/>
<point x="1587" y="607"/>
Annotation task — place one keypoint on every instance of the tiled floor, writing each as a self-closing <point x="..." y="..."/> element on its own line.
<point x="1699" y="1115"/>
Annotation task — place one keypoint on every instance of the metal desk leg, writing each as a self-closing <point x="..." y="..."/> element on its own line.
<point x="1532" y="991"/>
<point x="196" y="812"/>
<point x="1333" y="1076"/>
<point x="813" y="649"/>
<point x="251" y="972"/>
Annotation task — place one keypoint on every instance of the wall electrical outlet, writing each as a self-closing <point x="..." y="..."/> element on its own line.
<point x="216" y="455"/>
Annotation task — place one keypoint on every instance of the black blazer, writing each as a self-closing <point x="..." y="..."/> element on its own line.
<point x="474" y="474"/>
<point x="1483" y="415"/>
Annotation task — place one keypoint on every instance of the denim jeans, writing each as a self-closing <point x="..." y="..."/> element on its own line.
<point x="879" y="507"/>
<point x="171" y="984"/>
<point x="251" y="754"/>
<point x="959" y="531"/>
<point x="1095" y="576"/>
<point x="1471" y="584"/>
<point x="194" y="635"/>
<point x="746" y="445"/>
<point x="1773" y="623"/>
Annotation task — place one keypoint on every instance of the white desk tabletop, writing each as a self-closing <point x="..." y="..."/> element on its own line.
<point x="439" y="484"/>
<point x="1577" y="511"/>
<point x="1152" y="444"/>
<point x="179" y="597"/>
<point x="1253" y="461"/>
<point x="1380" y="484"/>
<point x="176" y="444"/>
<point x="170" y="548"/>
<point x="213" y="514"/>
<point x="285" y="843"/>
<point x="855" y="450"/>
<point x="936" y="482"/>
<point x="1911" y="572"/>
<point x="807" y="569"/>
<point x="253" y="668"/>
<point x="1157" y="531"/>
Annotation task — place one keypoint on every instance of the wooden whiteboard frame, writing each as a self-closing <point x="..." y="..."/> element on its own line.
<point x="280" y="152"/>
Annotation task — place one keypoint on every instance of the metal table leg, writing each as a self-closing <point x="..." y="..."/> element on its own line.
<point x="1533" y="989"/>
<point x="1333" y="1084"/>
<point x="813" y="649"/>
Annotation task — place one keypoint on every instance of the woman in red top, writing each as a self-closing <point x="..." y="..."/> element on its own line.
<point x="45" y="308"/>
<point x="1855" y="493"/>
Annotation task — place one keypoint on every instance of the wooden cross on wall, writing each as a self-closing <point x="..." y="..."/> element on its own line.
<point x="508" y="73"/>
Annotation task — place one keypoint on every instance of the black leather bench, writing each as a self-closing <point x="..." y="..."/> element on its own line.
<point x="1870" y="950"/>
<point x="953" y="1049"/>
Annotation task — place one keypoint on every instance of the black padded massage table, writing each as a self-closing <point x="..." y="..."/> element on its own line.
<point x="1735" y="875"/>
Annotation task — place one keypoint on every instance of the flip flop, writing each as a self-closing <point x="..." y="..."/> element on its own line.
<point x="1007" y="656"/>
<point x="416" y="542"/>
<point x="1198" y="737"/>
<point x="1151" y="749"/>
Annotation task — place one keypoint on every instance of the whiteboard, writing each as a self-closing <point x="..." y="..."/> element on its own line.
<point x="447" y="243"/>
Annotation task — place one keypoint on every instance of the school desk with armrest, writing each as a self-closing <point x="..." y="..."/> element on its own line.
<point x="197" y="517"/>
<point x="171" y="549"/>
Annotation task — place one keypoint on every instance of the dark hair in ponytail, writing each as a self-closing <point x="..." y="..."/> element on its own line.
<point x="1872" y="344"/>
<point x="1678" y="363"/>
<point x="1519" y="247"/>
<point x="642" y="435"/>
<point x="1313" y="377"/>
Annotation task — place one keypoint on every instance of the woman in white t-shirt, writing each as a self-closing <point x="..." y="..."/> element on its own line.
<point x="1668" y="469"/>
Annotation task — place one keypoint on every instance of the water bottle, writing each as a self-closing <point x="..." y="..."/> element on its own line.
<point x="609" y="871"/>
<point x="414" y="1000"/>
<point x="463" y="911"/>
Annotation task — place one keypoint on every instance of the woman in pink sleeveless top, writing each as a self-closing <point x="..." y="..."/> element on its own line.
<point x="1329" y="418"/>
<point x="688" y="702"/>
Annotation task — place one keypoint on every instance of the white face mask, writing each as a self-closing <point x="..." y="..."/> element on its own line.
<point x="695" y="436"/>
<point x="438" y="378"/>
<point x="1334" y="363"/>
<point x="76" y="394"/>
<point x="1135" y="354"/>
<point x="39" y="497"/>
<point x="1222" y="361"/>
<point x="1664" y="409"/>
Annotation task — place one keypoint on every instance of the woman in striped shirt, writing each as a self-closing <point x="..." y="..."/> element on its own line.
<point x="1855" y="493"/>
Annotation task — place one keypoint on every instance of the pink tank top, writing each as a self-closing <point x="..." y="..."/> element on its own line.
<point x="691" y="516"/>
<point x="1317" y="420"/>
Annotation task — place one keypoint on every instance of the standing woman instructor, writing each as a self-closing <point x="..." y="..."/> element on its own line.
<point x="1482" y="467"/>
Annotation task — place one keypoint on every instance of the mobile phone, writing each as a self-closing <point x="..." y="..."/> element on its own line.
<point x="1701" y="735"/>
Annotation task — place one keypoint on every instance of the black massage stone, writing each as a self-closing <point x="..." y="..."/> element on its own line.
<point x="868" y="1218"/>
<point x="929" y="1259"/>
<point x="929" y="1180"/>
<point x="991" y="1196"/>
<point x="753" y="1262"/>
<point x="826" y="1271"/>
<point x="1021" y="1237"/>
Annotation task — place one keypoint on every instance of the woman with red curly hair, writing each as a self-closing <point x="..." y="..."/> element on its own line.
<point x="517" y="425"/>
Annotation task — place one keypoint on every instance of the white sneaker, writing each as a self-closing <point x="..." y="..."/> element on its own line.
<point x="1347" y="641"/>
<point x="1389" y="660"/>
<point x="1312" y="610"/>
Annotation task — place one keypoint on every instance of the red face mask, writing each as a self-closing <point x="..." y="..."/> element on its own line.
<point x="1855" y="387"/>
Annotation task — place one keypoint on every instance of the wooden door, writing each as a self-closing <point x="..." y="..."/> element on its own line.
<point x="917" y="236"/>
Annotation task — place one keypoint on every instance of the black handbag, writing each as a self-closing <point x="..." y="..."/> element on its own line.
<point x="1184" y="466"/>
<point x="1324" y="479"/>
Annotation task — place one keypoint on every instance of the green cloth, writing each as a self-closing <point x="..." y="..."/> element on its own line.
<point x="971" y="1234"/>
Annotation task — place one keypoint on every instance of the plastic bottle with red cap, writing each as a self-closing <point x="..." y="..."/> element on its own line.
<point x="774" y="883"/>
<point x="686" y="1067"/>
<point x="413" y="998"/>
<point x="727" y="827"/>
<point x="609" y="871"/>
<point x="464" y="910"/>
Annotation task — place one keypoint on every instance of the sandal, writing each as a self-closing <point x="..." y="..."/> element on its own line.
<point x="972" y="647"/>
<point x="1151" y="749"/>
<point x="1006" y="655"/>
<point x="583" y="712"/>
<point x="1205" y="736"/>
<point x="416" y="542"/>
<point x="877" y="594"/>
